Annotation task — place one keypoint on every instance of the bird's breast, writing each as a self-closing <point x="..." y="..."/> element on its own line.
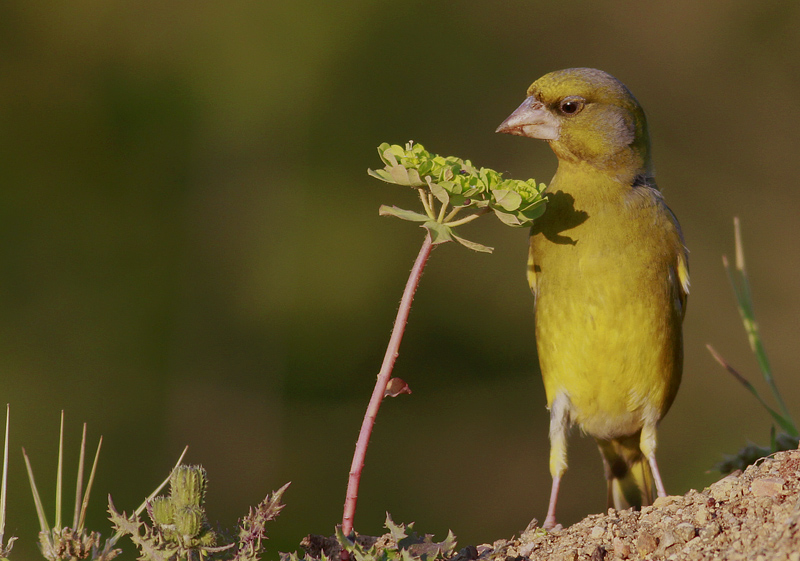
<point x="608" y="334"/>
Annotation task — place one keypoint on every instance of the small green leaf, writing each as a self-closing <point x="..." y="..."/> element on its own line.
<point x="390" y="153"/>
<point x="473" y="245"/>
<point x="403" y="176"/>
<point x="379" y="174"/>
<point x="440" y="233"/>
<point x="438" y="191"/>
<point x="534" y="210"/>
<point x="384" y="146"/>
<point x="344" y="541"/>
<point x="508" y="218"/>
<point x="397" y="531"/>
<point x="507" y="199"/>
<point x="402" y="214"/>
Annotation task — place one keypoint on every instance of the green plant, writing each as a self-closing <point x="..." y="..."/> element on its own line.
<point x="787" y="437"/>
<point x="179" y="528"/>
<point x="400" y="543"/>
<point x="455" y="185"/>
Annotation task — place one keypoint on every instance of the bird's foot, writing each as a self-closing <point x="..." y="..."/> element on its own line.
<point x="551" y="525"/>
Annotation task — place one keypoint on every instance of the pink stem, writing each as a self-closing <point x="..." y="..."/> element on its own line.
<point x="378" y="393"/>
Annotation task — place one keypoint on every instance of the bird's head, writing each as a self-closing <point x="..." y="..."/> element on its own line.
<point x="587" y="116"/>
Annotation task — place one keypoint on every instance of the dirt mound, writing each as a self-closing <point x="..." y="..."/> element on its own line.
<point x="753" y="515"/>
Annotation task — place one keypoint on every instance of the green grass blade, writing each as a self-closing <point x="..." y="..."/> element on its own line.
<point x="744" y="299"/>
<point x="786" y="425"/>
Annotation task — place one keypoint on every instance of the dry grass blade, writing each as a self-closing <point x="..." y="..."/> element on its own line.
<point x="43" y="524"/>
<point x="79" y="482"/>
<point x="85" y="501"/>
<point x="4" y="488"/>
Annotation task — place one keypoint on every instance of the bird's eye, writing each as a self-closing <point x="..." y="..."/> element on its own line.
<point x="571" y="105"/>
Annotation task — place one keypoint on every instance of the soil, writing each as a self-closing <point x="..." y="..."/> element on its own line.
<point x="754" y="515"/>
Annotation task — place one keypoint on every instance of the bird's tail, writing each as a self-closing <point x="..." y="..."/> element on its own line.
<point x="630" y="480"/>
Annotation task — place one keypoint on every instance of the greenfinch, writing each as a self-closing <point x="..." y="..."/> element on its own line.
<point x="609" y="273"/>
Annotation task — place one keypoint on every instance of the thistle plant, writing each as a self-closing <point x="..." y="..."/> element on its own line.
<point x="453" y="192"/>
<point x="75" y="541"/>
<point x="180" y="517"/>
<point x="400" y="543"/>
<point x="179" y="527"/>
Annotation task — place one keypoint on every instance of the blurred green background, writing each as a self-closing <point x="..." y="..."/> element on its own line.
<point x="191" y="253"/>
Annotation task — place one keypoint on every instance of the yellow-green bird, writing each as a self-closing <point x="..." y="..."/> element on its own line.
<point x="609" y="272"/>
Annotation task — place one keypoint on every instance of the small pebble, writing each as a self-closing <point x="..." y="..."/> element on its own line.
<point x="767" y="487"/>
<point x="667" y="540"/>
<point x="646" y="543"/>
<point x="567" y="556"/>
<point x="710" y="530"/>
<point x="526" y="549"/>
<point x="721" y="490"/>
<point x="621" y="549"/>
<point x="685" y="531"/>
<point x="702" y="515"/>
<point x="662" y="502"/>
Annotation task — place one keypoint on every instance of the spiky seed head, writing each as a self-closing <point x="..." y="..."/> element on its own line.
<point x="188" y="521"/>
<point x="188" y="486"/>
<point x="160" y="510"/>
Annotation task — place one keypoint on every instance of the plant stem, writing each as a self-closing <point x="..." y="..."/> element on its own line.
<point x="452" y="214"/>
<point x="379" y="392"/>
<point x="442" y="210"/>
<point x="426" y="203"/>
<point x="469" y="218"/>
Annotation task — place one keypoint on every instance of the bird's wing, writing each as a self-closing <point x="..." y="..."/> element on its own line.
<point x="682" y="266"/>
<point x="532" y="271"/>
<point x="683" y="278"/>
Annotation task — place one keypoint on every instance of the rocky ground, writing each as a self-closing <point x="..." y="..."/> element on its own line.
<point x="753" y="515"/>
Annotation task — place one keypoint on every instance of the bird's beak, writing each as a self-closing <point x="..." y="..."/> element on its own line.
<point x="531" y="119"/>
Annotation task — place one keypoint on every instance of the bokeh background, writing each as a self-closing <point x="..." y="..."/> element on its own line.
<point x="191" y="253"/>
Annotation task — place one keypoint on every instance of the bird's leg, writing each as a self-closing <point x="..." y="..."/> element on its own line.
<point x="647" y="444"/>
<point x="656" y="475"/>
<point x="550" y="519"/>
<point x="559" y="425"/>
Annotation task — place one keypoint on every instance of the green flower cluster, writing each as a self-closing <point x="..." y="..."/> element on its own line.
<point x="459" y="185"/>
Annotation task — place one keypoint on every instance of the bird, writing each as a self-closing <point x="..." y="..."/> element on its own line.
<point x="608" y="268"/>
